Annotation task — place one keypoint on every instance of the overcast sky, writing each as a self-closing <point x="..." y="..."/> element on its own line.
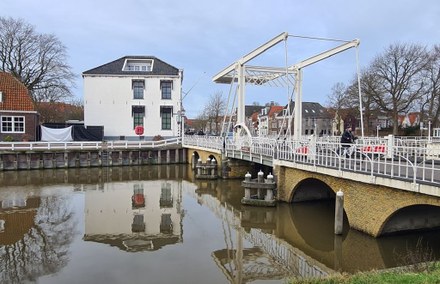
<point x="202" y="37"/>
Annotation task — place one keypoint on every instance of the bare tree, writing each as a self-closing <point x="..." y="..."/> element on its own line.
<point x="369" y="85"/>
<point x="399" y="75"/>
<point x="60" y="112"/>
<point x="213" y="111"/>
<point x="37" y="60"/>
<point x="337" y="98"/>
<point x="430" y="103"/>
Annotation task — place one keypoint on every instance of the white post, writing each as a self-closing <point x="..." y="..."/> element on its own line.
<point x="241" y="94"/>
<point x="339" y="213"/>
<point x="429" y="130"/>
<point x="390" y="146"/>
<point x="297" y="131"/>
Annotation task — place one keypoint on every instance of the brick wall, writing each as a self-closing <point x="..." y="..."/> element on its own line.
<point x="368" y="206"/>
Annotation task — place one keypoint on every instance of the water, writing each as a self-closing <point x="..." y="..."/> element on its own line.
<point x="159" y="225"/>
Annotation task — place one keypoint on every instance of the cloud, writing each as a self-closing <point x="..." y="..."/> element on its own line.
<point x="206" y="36"/>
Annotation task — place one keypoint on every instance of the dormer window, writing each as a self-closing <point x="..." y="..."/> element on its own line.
<point x="145" y="65"/>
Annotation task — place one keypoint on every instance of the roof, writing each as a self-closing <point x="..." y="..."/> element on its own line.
<point x="115" y="67"/>
<point x="275" y="110"/>
<point x="249" y="110"/>
<point x="15" y="95"/>
<point x="311" y="110"/>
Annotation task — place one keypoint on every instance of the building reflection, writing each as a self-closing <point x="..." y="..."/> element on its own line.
<point x="35" y="233"/>
<point x="135" y="216"/>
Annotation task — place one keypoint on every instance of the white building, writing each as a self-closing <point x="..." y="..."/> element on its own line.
<point x="134" y="91"/>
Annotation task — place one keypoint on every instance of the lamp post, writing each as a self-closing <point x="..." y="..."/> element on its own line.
<point x="429" y="130"/>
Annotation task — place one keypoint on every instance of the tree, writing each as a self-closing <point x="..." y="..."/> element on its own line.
<point x="369" y="84"/>
<point x="37" y="60"/>
<point x="399" y="76"/>
<point x="56" y="112"/>
<point x="430" y="103"/>
<point x="213" y="112"/>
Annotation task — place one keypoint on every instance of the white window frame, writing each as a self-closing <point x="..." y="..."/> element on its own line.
<point x="14" y="120"/>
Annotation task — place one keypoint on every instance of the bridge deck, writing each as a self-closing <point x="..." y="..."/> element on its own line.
<point x="416" y="163"/>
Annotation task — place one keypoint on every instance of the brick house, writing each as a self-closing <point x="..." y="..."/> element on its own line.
<point x="19" y="119"/>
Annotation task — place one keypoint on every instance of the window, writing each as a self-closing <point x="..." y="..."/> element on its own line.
<point x="165" y="113"/>
<point x="145" y="65"/>
<point x="166" y="87"/>
<point x="138" y="224"/>
<point x="11" y="124"/>
<point x="138" y="89"/>
<point x="138" y="113"/>
<point x="166" y="199"/>
<point x="166" y="225"/>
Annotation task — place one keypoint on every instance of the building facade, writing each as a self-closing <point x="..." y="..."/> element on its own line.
<point x="19" y="119"/>
<point x="134" y="91"/>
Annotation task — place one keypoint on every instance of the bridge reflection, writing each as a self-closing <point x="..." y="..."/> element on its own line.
<point x="306" y="230"/>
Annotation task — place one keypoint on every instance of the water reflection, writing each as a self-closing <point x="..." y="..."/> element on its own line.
<point x="37" y="229"/>
<point x="138" y="215"/>
<point x="135" y="216"/>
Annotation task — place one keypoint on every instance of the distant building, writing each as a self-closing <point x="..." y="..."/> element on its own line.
<point x="316" y="120"/>
<point x="19" y="119"/>
<point x="134" y="91"/>
<point x="268" y="121"/>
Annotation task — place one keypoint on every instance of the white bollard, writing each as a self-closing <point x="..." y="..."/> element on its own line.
<point x="247" y="177"/>
<point x="260" y="177"/>
<point x="339" y="212"/>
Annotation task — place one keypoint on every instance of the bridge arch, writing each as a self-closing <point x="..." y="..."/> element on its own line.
<point x="412" y="218"/>
<point x="194" y="158"/>
<point x="311" y="189"/>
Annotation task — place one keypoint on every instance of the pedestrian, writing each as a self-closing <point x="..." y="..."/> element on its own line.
<point x="347" y="139"/>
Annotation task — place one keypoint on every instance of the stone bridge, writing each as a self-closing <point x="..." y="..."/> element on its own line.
<point x="376" y="205"/>
<point x="370" y="208"/>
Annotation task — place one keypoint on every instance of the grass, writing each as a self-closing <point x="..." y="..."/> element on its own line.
<point x="432" y="275"/>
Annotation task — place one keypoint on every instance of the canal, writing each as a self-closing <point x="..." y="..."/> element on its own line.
<point x="157" y="224"/>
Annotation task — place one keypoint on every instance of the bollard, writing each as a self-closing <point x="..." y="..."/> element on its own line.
<point x="199" y="167"/>
<point x="247" y="177"/>
<point x="270" y="178"/>
<point x="247" y="193"/>
<point x="339" y="212"/>
<point x="269" y="195"/>
<point x="214" y="167"/>
<point x="260" y="177"/>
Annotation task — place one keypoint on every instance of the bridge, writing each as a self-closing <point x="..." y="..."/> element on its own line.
<point x="390" y="184"/>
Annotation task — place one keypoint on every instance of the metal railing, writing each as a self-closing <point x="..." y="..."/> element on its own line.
<point x="209" y="142"/>
<point x="85" y="145"/>
<point x="416" y="161"/>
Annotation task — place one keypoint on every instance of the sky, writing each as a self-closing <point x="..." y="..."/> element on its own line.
<point x="203" y="37"/>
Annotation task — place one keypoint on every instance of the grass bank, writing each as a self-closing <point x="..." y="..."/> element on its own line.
<point x="431" y="274"/>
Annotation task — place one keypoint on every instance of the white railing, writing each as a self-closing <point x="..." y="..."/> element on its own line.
<point x="416" y="161"/>
<point x="85" y="145"/>
<point x="209" y="142"/>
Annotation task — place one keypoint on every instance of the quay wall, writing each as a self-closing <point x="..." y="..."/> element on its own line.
<point x="54" y="159"/>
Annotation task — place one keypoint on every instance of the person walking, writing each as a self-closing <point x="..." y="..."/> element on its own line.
<point x="347" y="139"/>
